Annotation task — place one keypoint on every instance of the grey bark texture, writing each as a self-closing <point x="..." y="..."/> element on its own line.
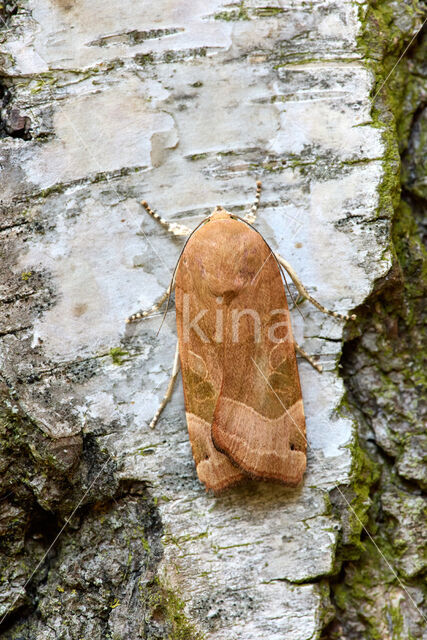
<point x="106" y="531"/>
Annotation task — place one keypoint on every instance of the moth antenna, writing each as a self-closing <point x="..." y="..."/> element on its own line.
<point x="250" y="217"/>
<point x="173" y="227"/>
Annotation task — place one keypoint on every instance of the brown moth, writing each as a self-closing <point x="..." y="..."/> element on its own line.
<point x="242" y="391"/>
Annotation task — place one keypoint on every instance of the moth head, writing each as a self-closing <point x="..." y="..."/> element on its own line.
<point x="219" y="213"/>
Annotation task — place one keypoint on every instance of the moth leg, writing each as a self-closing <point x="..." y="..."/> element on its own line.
<point x="309" y="359"/>
<point x="169" y="390"/>
<point x="173" y="227"/>
<point x="303" y="291"/>
<point x="139" y="315"/>
<point x="251" y="216"/>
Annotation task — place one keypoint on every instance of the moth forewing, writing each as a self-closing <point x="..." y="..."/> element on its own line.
<point x="241" y="384"/>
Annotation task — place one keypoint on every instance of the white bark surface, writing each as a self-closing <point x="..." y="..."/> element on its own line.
<point x="172" y="103"/>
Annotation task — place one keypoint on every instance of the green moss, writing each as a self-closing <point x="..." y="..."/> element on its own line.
<point x="182" y="629"/>
<point x="164" y="604"/>
<point x="115" y="603"/>
<point x="359" y="592"/>
<point x="56" y="188"/>
<point x="365" y="473"/>
<point x="270" y="167"/>
<point x="145" y="544"/>
<point x="178" y="541"/>
<point x="26" y="275"/>
<point x="411" y="253"/>
<point x="144" y="58"/>
<point x="178" y="56"/>
<point x="117" y="354"/>
<point x="148" y="450"/>
<point x="198" y="156"/>
<point x="102" y="176"/>
<point x="267" y="12"/>
<point x="240" y="13"/>
<point x="396" y="622"/>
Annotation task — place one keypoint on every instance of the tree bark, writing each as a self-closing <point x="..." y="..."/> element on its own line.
<point x="107" y="532"/>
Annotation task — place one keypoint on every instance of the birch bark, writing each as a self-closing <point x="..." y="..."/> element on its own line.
<point x="185" y="105"/>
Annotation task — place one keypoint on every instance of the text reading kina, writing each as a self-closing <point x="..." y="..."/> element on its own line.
<point x="243" y="400"/>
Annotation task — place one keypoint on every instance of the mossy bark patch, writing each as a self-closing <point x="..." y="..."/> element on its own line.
<point x="380" y="592"/>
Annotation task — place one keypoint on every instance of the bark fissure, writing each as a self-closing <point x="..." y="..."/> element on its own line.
<point x="383" y="359"/>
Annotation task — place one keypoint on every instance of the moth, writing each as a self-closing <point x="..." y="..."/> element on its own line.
<point x="242" y="392"/>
